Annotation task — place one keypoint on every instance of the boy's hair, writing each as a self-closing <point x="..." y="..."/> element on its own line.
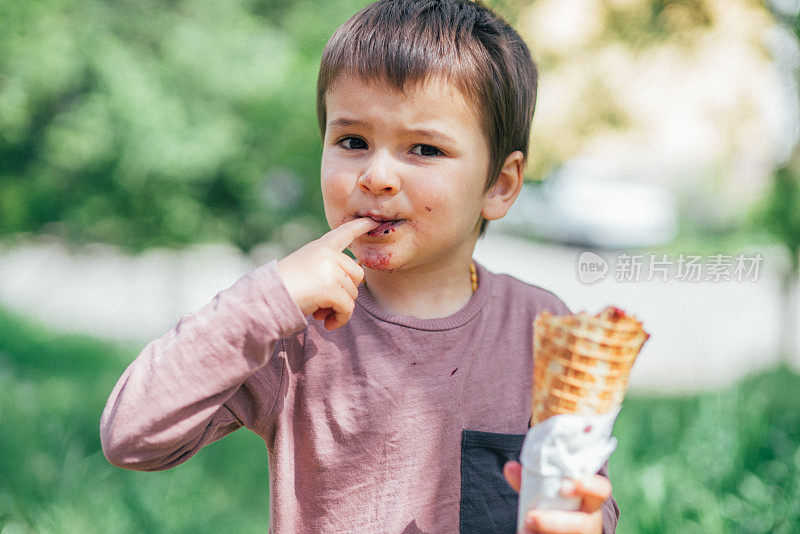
<point x="401" y="42"/>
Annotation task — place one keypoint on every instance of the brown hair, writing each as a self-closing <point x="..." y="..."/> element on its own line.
<point x="407" y="41"/>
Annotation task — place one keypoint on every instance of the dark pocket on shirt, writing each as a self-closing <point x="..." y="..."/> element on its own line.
<point x="488" y="504"/>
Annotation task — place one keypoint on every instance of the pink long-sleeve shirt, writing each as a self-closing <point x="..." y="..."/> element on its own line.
<point x="389" y="424"/>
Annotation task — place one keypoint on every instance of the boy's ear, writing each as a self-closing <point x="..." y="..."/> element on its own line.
<point x="506" y="189"/>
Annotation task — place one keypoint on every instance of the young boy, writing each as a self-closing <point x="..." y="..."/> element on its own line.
<point x="402" y="404"/>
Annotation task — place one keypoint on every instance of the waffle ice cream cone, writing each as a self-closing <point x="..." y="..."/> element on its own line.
<point x="582" y="362"/>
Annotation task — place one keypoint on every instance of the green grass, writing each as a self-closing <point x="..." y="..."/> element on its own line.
<point x="717" y="462"/>
<point x="714" y="463"/>
<point x="53" y="476"/>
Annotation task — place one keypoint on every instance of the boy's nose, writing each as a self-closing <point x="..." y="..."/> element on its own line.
<point x="379" y="177"/>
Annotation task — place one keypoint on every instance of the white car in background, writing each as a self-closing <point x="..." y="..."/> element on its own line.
<point x="576" y="207"/>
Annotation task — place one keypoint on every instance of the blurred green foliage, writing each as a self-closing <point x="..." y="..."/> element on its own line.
<point x="717" y="462"/>
<point x="779" y="211"/>
<point x="149" y="123"/>
<point x="145" y="123"/>
<point x="54" y="478"/>
<point x="714" y="463"/>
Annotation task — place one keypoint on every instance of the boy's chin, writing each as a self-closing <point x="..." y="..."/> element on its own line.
<point x="375" y="258"/>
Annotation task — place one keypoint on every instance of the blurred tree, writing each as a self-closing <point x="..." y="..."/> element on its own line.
<point x="145" y="123"/>
<point x="149" y="123"/>
<point x="779" y="214"/>
<point x="679" y="93"/>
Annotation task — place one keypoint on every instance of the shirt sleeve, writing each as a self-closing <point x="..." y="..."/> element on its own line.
<point x="559" y="308"/>
<point x="185" y="389"/>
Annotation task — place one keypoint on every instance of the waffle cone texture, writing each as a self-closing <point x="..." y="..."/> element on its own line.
<point x="582" y="362"/>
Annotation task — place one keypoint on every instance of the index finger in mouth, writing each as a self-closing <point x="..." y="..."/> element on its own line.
<point x="341" y="236"/>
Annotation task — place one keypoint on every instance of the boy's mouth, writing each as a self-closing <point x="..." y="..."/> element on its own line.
<point x="385" y="228"/>
<point x="387" y="225"/>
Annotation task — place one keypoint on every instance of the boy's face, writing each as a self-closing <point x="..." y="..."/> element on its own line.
<point x="416" y="161"/>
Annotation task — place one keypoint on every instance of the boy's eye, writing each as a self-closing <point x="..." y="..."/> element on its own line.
<point x="426" y="150"/>
<point x="353" y="143"/>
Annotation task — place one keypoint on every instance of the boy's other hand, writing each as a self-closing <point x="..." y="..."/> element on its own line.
<point x="322" y="279"/>
<point x="588" y="520"/>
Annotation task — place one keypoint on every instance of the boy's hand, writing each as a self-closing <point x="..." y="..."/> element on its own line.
<point x="321" y="279"/>
<point x="593" y="493"/>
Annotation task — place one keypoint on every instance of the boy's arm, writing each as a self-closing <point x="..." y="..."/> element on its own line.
<point x="169" y="402"/>
<point x="172" y="399"/>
